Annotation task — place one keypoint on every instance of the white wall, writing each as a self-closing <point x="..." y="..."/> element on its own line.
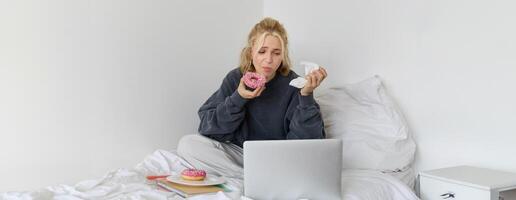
<point x="91" y="86"/>
<point x="450" y="64"/>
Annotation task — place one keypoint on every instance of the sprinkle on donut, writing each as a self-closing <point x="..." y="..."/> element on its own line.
<point x="254" y="80"/>
<point x="193" y="174"/>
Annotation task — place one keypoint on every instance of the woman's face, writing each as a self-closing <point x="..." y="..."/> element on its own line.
<point x="267" y="59"/>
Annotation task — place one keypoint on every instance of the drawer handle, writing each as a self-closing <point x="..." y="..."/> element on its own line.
<point x="448" y="195"/>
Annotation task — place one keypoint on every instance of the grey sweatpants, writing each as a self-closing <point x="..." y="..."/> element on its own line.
<point x="212" y="156"/>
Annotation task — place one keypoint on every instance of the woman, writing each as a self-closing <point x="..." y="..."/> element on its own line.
<point x="234" y="114"/>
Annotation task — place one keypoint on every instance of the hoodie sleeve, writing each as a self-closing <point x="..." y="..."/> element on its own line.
<point x="304" y="120"/>
<point x="223" y="113"/>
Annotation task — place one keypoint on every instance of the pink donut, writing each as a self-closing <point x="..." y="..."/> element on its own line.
<point x="193" y="174"/>
<point x="254" y="80"/>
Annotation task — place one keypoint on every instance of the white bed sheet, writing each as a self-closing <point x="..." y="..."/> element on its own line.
<point x="407" y="176"/>
<point x="131" y="184"/>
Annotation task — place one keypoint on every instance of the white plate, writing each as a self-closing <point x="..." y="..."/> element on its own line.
<point x="209" y="180"/>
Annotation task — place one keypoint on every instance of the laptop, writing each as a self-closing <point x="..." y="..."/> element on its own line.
<point x="293" y="169"/>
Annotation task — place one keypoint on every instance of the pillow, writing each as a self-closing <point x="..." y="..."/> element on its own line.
<point x="374" y="132"/>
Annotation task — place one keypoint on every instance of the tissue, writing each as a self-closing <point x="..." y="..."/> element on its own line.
<point x="300" y="82"/>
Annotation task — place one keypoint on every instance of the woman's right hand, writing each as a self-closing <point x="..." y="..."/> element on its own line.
<point x="247" y="94"/>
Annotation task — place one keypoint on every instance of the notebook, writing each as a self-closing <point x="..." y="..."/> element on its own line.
<point x="293" y="169"/>
<point x="188" y="191"/>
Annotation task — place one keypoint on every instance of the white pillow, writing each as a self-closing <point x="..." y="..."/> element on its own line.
<point x="373" y="130"/>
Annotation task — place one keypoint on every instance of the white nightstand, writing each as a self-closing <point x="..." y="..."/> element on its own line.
<point x="467" y="183"/>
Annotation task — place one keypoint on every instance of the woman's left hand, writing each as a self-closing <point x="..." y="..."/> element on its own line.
<point x="313" y="80"/>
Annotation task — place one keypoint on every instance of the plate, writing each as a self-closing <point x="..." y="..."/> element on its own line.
<point x="209" y="180"/>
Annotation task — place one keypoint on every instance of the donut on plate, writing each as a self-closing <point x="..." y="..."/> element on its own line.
<point x="193" y="174"/>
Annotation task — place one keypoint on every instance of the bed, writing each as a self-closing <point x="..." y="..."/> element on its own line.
<point x="378" y="154"/>
<point x="132" y="184"/>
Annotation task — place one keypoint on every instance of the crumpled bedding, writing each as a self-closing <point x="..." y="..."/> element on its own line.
<point x="132" y="184"/>
<point x="371" y="185"/>
<point x="406" y="176"/>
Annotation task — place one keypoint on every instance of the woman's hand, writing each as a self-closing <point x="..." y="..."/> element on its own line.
<point x="247" y="94"/>
<point x="313" y="80"/>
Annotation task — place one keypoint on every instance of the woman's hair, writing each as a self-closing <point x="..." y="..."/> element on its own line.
<point x="266" y="27"/>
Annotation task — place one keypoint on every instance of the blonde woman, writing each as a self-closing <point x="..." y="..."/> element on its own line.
<point x="234" y="114"/>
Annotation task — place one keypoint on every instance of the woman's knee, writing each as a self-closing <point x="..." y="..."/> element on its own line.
<point x="189" y="144"/>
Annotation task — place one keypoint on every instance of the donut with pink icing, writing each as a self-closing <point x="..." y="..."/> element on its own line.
<point x="193" y="174"/>
<point x="254" y="80"/>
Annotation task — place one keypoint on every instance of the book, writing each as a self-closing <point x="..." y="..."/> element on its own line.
<point x="188" y="191"/>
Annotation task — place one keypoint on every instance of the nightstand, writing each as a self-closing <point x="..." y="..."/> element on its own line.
<point x="467" y="183"/>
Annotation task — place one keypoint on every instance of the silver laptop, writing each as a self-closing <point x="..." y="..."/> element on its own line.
<point x="293" y="169"/>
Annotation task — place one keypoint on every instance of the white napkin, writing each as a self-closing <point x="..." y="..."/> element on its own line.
<point x="300" y="82"/>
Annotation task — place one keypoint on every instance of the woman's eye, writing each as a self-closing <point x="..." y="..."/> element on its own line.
<point x="277" y="54"/>
<point x="261" y="52"/>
